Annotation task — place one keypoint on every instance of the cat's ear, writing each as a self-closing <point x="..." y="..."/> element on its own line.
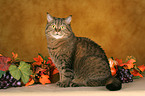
<point x="68" y="19"/>
<point x="49" y="17"/>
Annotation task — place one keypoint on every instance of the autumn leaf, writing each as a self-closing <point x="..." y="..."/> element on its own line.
<point x="30" y="82"/>
<point x="55" y="71"/>
<point x="130" y="57"/>
<point x="14" y="56"/>
<point x="44" y="79"/>
<point x="135" y="73"/>
<point x="41" y="70"/>
<point x="113" y="71"/>
<point x="131" y="61"/>
<point x="118" y="61"/>
<point x="142" y="68"/>
<point x="49" y="61"/>
<point x="1" y="55"/>
<point x="111" y="62"/>
<point x="38" y="61"/>
<point x="4" y="66"/>
<point x="129" y="64"/>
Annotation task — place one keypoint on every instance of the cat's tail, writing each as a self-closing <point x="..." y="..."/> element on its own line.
<point x="113" y="84"/>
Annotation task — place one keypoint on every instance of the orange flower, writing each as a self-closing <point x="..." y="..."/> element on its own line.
<point x="44" y="79"/>
<point x="142" y="67"/>
<point x="38" y="60"/>
<point x="135" y="73"/>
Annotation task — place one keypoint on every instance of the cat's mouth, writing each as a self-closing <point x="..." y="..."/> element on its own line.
<point x="57" y="35"/>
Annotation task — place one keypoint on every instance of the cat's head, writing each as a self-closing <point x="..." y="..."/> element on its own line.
<point x="58" y="28"/>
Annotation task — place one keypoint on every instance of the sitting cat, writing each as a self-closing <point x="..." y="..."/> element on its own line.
<point x="80" y="61"/>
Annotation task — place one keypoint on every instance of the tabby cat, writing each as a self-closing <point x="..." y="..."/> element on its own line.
<point x="80" y="61"/>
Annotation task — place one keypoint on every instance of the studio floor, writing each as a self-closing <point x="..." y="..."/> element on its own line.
<point x="136" y="88"/>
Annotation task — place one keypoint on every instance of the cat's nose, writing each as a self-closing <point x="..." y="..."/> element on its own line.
<point x="57" y="29"/>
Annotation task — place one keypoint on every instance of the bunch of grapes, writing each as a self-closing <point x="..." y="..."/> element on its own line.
<point x="7" y="81"/>
<point x="124" y="75"/>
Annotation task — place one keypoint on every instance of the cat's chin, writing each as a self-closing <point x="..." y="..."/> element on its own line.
<point x="57" y="36"/>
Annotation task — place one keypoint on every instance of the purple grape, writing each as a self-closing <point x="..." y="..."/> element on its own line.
<point x="122" y="70"/>
<point x="7" y="81"/>
<point x="19" y="84"/>
<point x="124" y="75"/>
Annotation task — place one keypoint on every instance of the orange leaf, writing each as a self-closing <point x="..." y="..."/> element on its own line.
<point x="118" y="61"/>
<point x="111" y="62"/>
<point x="113" y="71"/>
<point x="14" y="55"/>
<point x="129" y="64"/>
<point x="44" y="79"/>
<point x="142" y="67"/>
<point x="38" y="60"/>
<point x="1" y="55"/>
<point x="55" y="71"/>
<point x="131" y="61"/>
<point x="31" y="81"/>
<point x="135" y="73"/>
<point x="49" y="61"/>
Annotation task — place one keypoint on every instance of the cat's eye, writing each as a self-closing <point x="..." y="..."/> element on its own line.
<point x="62" y="27"/>
<point x="53" y="26"/>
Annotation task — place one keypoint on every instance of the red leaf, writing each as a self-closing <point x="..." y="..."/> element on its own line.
<point x="4" y="63"/>
<point x="38" y="60"/>
<point x="142" y="67"/>
<point x="135" y="73"/>
<point x="118" y="61"/>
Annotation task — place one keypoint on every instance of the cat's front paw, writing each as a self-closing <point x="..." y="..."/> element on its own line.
<point x="63" y="83"/>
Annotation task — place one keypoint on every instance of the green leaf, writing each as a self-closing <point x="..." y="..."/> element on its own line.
<point x="137" y="69"/>
<point x="143" y="72"/>
<point x="25" y="71"/>
<point x="15" y="72"/>
<point x="1" y="73"/>
<point x="46" y="58"/>
<point x="136" y="77"/>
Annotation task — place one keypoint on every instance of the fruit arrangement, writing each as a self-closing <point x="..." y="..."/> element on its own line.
<point x="16" y="73"/>
<point x="126" y="71"/>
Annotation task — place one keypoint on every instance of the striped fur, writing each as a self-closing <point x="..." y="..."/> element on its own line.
<point x="80" y="61"/>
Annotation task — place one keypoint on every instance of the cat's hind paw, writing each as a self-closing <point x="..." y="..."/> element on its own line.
<point x="74" y="84"/>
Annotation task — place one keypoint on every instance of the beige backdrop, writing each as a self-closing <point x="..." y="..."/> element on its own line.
<point x="117" y="25"/>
